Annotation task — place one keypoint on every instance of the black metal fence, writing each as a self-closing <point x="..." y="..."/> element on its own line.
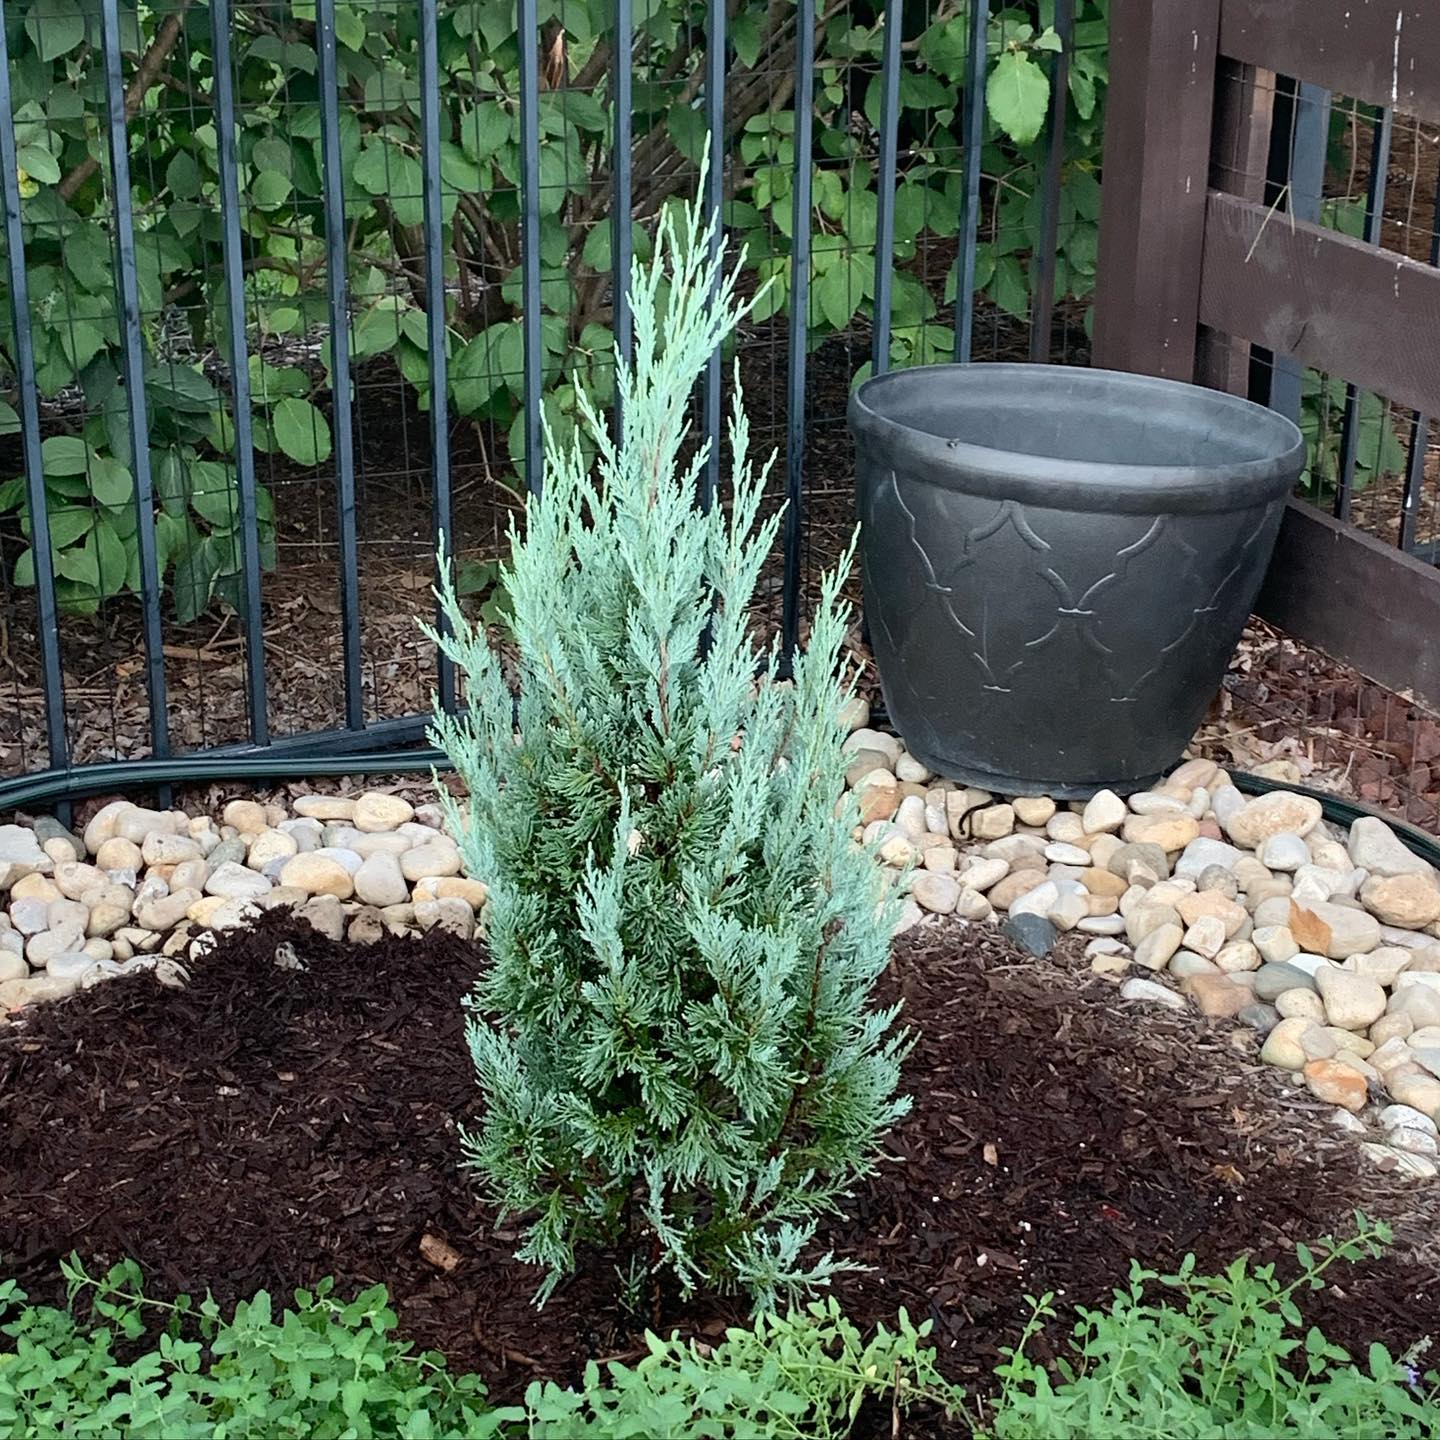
<point x="148" y="615"/>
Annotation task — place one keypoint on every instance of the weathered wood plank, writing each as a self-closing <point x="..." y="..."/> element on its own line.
<point x="1381" y="51"/>
<point x="1332" y="302"/>
<point x="1157" y="164"/>
<point x="1359" y="600"/>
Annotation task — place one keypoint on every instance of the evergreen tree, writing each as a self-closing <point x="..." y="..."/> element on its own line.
<point x="675" y="1038"/>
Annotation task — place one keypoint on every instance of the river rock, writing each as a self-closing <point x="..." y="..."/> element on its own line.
<point x="323" y="913"/>
<point x="1284" y="852"/>
<point x="21" y="850"/>
<point x="232" y="881"/>
<point x="1156" y="948"/>
<point x="1033" y="809"/>
<point x="1262" y="1019"/>
<point x="42" y="948"/>
<point x="1415" y="1086"/>
<point x="1142" y="863"/>
<point x="319" y="874"/>
<point x="1351" y="1001"/>
<point x="246" y="816"/>
<point x="438" y="857"/>
<point x="1216" y="995"/>
<point x="1374" y="847"/>
<point x="380" y="881"/>
<point x="1238" y="957"/>
<point x="162" y="912"/>
<point x="1293" y="1043"/>
<point x="1151" y="992"/>
<point x="324" y="807"/>
<point x="1336" y="1084"/>
<point x="375" y="811"/>
<point x="452" y="914"/>
<point x="1384" y="965"/>
<point x="268" y="845"/>
<point x="1394" y="1117"/>
<point x="1300" y="1004"/>
<point x="367" y="926"/>
<point x="993" y="822"/>
<point x="1278" y="813"/>
<point x="1104" y="812"/>
<point x="1168" y="832"/>
<point x="982" y="874"/>
<point x="1338" y="931"/>
<point x="1206" y="936"/>
<point x="1408" y="901"/>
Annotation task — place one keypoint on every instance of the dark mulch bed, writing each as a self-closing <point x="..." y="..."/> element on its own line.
<point x="264" y="1128"/>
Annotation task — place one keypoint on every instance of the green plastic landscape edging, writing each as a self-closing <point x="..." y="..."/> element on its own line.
<point x="127" y="775"/>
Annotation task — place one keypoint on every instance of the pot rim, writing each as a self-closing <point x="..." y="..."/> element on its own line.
<point x="1059" y="483"/>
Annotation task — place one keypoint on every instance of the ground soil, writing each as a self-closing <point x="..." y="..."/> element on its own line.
<point x="266" y="1127"/>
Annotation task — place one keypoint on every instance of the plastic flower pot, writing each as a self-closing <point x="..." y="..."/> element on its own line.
<point x="1058" y="563"/>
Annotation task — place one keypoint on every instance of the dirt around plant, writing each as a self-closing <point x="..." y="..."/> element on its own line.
<point x="269" y="1126"/>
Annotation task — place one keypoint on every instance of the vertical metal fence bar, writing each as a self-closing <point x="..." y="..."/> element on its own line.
<point x="1374" y="221"/>
<point x="337" y="285"/>
<point x="1310" y="136"/>
<point x="973" y="137"/>
<point x="46" y="615"/>
<point x="885" y="191"/>
<point x="440" y="506"/>
<point x="530" y="237"/>
<point x="799" y="326"/>
<point x="233" y="260"/>
<point x="714" y="210"/>
<point x="1419" y="430"/>
<point x="621" y="240"/>
<point x="1042" y="318"/>
<point x="133" y="366"/>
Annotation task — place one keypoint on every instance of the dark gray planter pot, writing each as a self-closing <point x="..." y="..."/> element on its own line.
<point x="1058" y="563"/>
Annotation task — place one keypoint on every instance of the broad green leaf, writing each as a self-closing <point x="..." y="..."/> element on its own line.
<point x="1018" y="96"/>
<point x="194" y="580"/>
<point x="183" y="176"/>
<point x="111" y="555"/>
<point x="68" y="525"/>
<point x="110" y="481"/>
<point x="12" y="492"/>
<point x="52" y="32"/>
<point x="39" y="164"/>
<point x="483" y="130"/>
<point x="25" y="568"/>
<point x="301" y="431"/>
<point x="9" y="420"/>
<point x="65" y="455"/>
<point x="269" y="190"/>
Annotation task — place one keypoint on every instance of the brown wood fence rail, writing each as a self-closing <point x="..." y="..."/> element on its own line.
<point x="1195" y="267"/>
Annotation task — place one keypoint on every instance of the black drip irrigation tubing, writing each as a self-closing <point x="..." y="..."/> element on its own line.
<point x="148" y="774"/>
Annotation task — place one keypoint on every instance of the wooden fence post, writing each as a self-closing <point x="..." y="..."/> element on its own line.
<point x="1159" y="113"/>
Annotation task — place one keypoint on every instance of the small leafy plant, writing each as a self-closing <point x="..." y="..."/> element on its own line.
<point x="318" y="1370"/>
<point x="807" y="1373"/>
<point x="675" y="1036"/>
<point x="1228" y="1357"/>
<point x="327" y="1369"/>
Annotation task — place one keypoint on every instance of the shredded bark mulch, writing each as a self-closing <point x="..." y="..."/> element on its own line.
<point x="267" y="1126"/>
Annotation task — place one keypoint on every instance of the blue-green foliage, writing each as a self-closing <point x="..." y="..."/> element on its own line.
<point x="675" y="1035"/>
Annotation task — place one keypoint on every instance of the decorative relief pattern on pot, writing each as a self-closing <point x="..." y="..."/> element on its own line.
<point x="1000" y="586"/>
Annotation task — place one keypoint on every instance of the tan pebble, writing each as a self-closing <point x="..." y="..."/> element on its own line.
<point x="438" y="858"/>
<point x="1301" y="1002"/>
<point x="117" y="853"/>
<point x="247" y="816"/>
<point x="375" y="811"/>
<point x="444" y="887"/>
<point x="877" y="799"/>
<point x="324" y="807"/>
<point x="35" y="887"/>
<point x="317" y="875"/>
<point x="1336" y="1084"/>
<point x="1216" y="995"/>
<point x="1169" y="832"/>
<point x="1033" y="809"/>
<point x="1099" y="881"/>
<point x="1391" y="1027"/>
<point x="993" y="822"/>
<point x="267" y="845"/>
<point x="453" y="915"/>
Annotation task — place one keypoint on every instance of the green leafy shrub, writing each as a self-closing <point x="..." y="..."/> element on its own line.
<point x="326" y="1369"/>
<point x="807" y="1373"/>
<point x="56" y="70"/>
<point x="319" y="1370"/>
<point x="675" y="1035"/>
<point x="1228" y="1357"/>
